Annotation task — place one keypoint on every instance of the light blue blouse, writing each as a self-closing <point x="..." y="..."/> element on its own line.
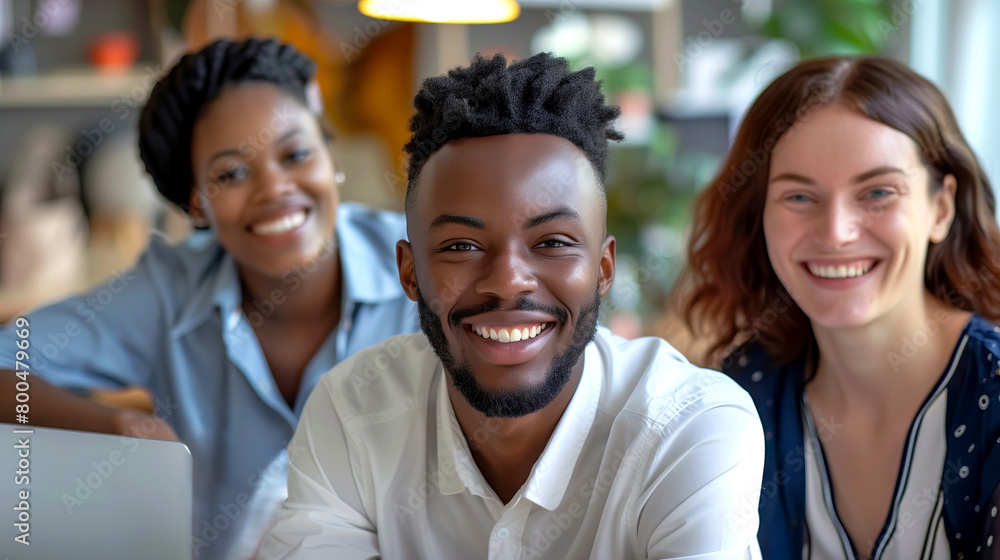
<point x="174" y="324"/>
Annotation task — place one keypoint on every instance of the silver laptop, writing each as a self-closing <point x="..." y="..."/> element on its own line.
<point x="68" y="494"/>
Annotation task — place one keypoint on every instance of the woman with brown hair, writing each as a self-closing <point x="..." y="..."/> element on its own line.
<point x="842" y="268"/>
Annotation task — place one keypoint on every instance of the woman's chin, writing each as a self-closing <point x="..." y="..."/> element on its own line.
<point x="840" y="319"/>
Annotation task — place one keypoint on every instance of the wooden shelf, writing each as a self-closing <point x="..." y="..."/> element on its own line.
<point x="78" y="87"/>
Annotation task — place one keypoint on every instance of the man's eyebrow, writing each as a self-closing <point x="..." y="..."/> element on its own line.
<point x="445" y="219"/>
<point x="549" y="216"/>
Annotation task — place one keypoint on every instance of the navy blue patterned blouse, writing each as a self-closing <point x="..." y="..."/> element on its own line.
<point x="946" y="499"/>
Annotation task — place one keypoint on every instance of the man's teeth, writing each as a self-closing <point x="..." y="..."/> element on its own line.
<point x="281" y="225"/>
<point x="509" y="334"/>
<point x="841" y="271"/>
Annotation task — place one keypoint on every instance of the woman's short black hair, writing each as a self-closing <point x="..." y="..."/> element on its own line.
<point x="179" y="97"/>
<point x="488" y="98"/>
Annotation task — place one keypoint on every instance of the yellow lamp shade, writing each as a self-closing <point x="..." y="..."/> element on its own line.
<point x="442" y="11"/>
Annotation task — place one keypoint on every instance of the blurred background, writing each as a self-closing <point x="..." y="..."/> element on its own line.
<point x="75" y="205"/>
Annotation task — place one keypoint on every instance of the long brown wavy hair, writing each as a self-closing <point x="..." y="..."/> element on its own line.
<point x="728" y="292"/>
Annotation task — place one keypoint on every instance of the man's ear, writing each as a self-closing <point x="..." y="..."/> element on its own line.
<point x="943" y="209"/>
<point x="607" y="273"/>
<point x="407" y="273"/>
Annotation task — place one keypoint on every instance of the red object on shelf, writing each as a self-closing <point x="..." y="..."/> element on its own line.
<point x="114" y="52"/>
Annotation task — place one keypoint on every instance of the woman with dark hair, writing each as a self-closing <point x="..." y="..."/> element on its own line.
<point x="842" y="268"/>
<point x="231" y="329"/>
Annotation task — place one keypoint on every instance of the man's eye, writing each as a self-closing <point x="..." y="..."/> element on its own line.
<point x="879" y="193"/>
<point x="549" y="243"/>
<point x="460" y="247"/>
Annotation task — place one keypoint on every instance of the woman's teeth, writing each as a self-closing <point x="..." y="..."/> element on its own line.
<point x="509" y="334"/>
<point x="841" y="271"/>
<point x="281" y="225"/>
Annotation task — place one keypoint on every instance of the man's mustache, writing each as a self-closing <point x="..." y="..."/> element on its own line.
<point x="524" y="304"/>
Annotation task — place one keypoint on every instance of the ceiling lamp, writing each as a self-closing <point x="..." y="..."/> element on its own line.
<point x="442" y="11"/>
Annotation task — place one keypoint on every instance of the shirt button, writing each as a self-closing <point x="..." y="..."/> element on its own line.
<point x="503" y="533"/>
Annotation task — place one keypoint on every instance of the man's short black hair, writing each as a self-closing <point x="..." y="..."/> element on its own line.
<point x="537" y="95"/>
<point x="177" y="100"/>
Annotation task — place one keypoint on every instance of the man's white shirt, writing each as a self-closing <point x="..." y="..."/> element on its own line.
<point x="653" y="458"/>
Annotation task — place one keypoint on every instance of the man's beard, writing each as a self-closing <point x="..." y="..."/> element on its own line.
<point x="518" y="402"/>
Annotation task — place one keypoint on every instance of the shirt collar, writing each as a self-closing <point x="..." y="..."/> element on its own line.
<point x="550" y="477"/>
<point x="369" y="276"/>
<point x="218" y="288"/>
<point x="551" y="474"/>
<point x="457" y="471"/>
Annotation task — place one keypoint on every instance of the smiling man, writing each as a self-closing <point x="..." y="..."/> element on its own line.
<point x="515" y="426"/>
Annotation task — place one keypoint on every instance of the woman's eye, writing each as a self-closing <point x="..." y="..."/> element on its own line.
<point x="460" y="247"/>
<point x="299" y="155"/>
<point x="230" y="175"/>
<point x="797" y="198"/>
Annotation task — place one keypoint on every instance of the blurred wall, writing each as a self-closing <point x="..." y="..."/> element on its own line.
<point x="97" y="16"/>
